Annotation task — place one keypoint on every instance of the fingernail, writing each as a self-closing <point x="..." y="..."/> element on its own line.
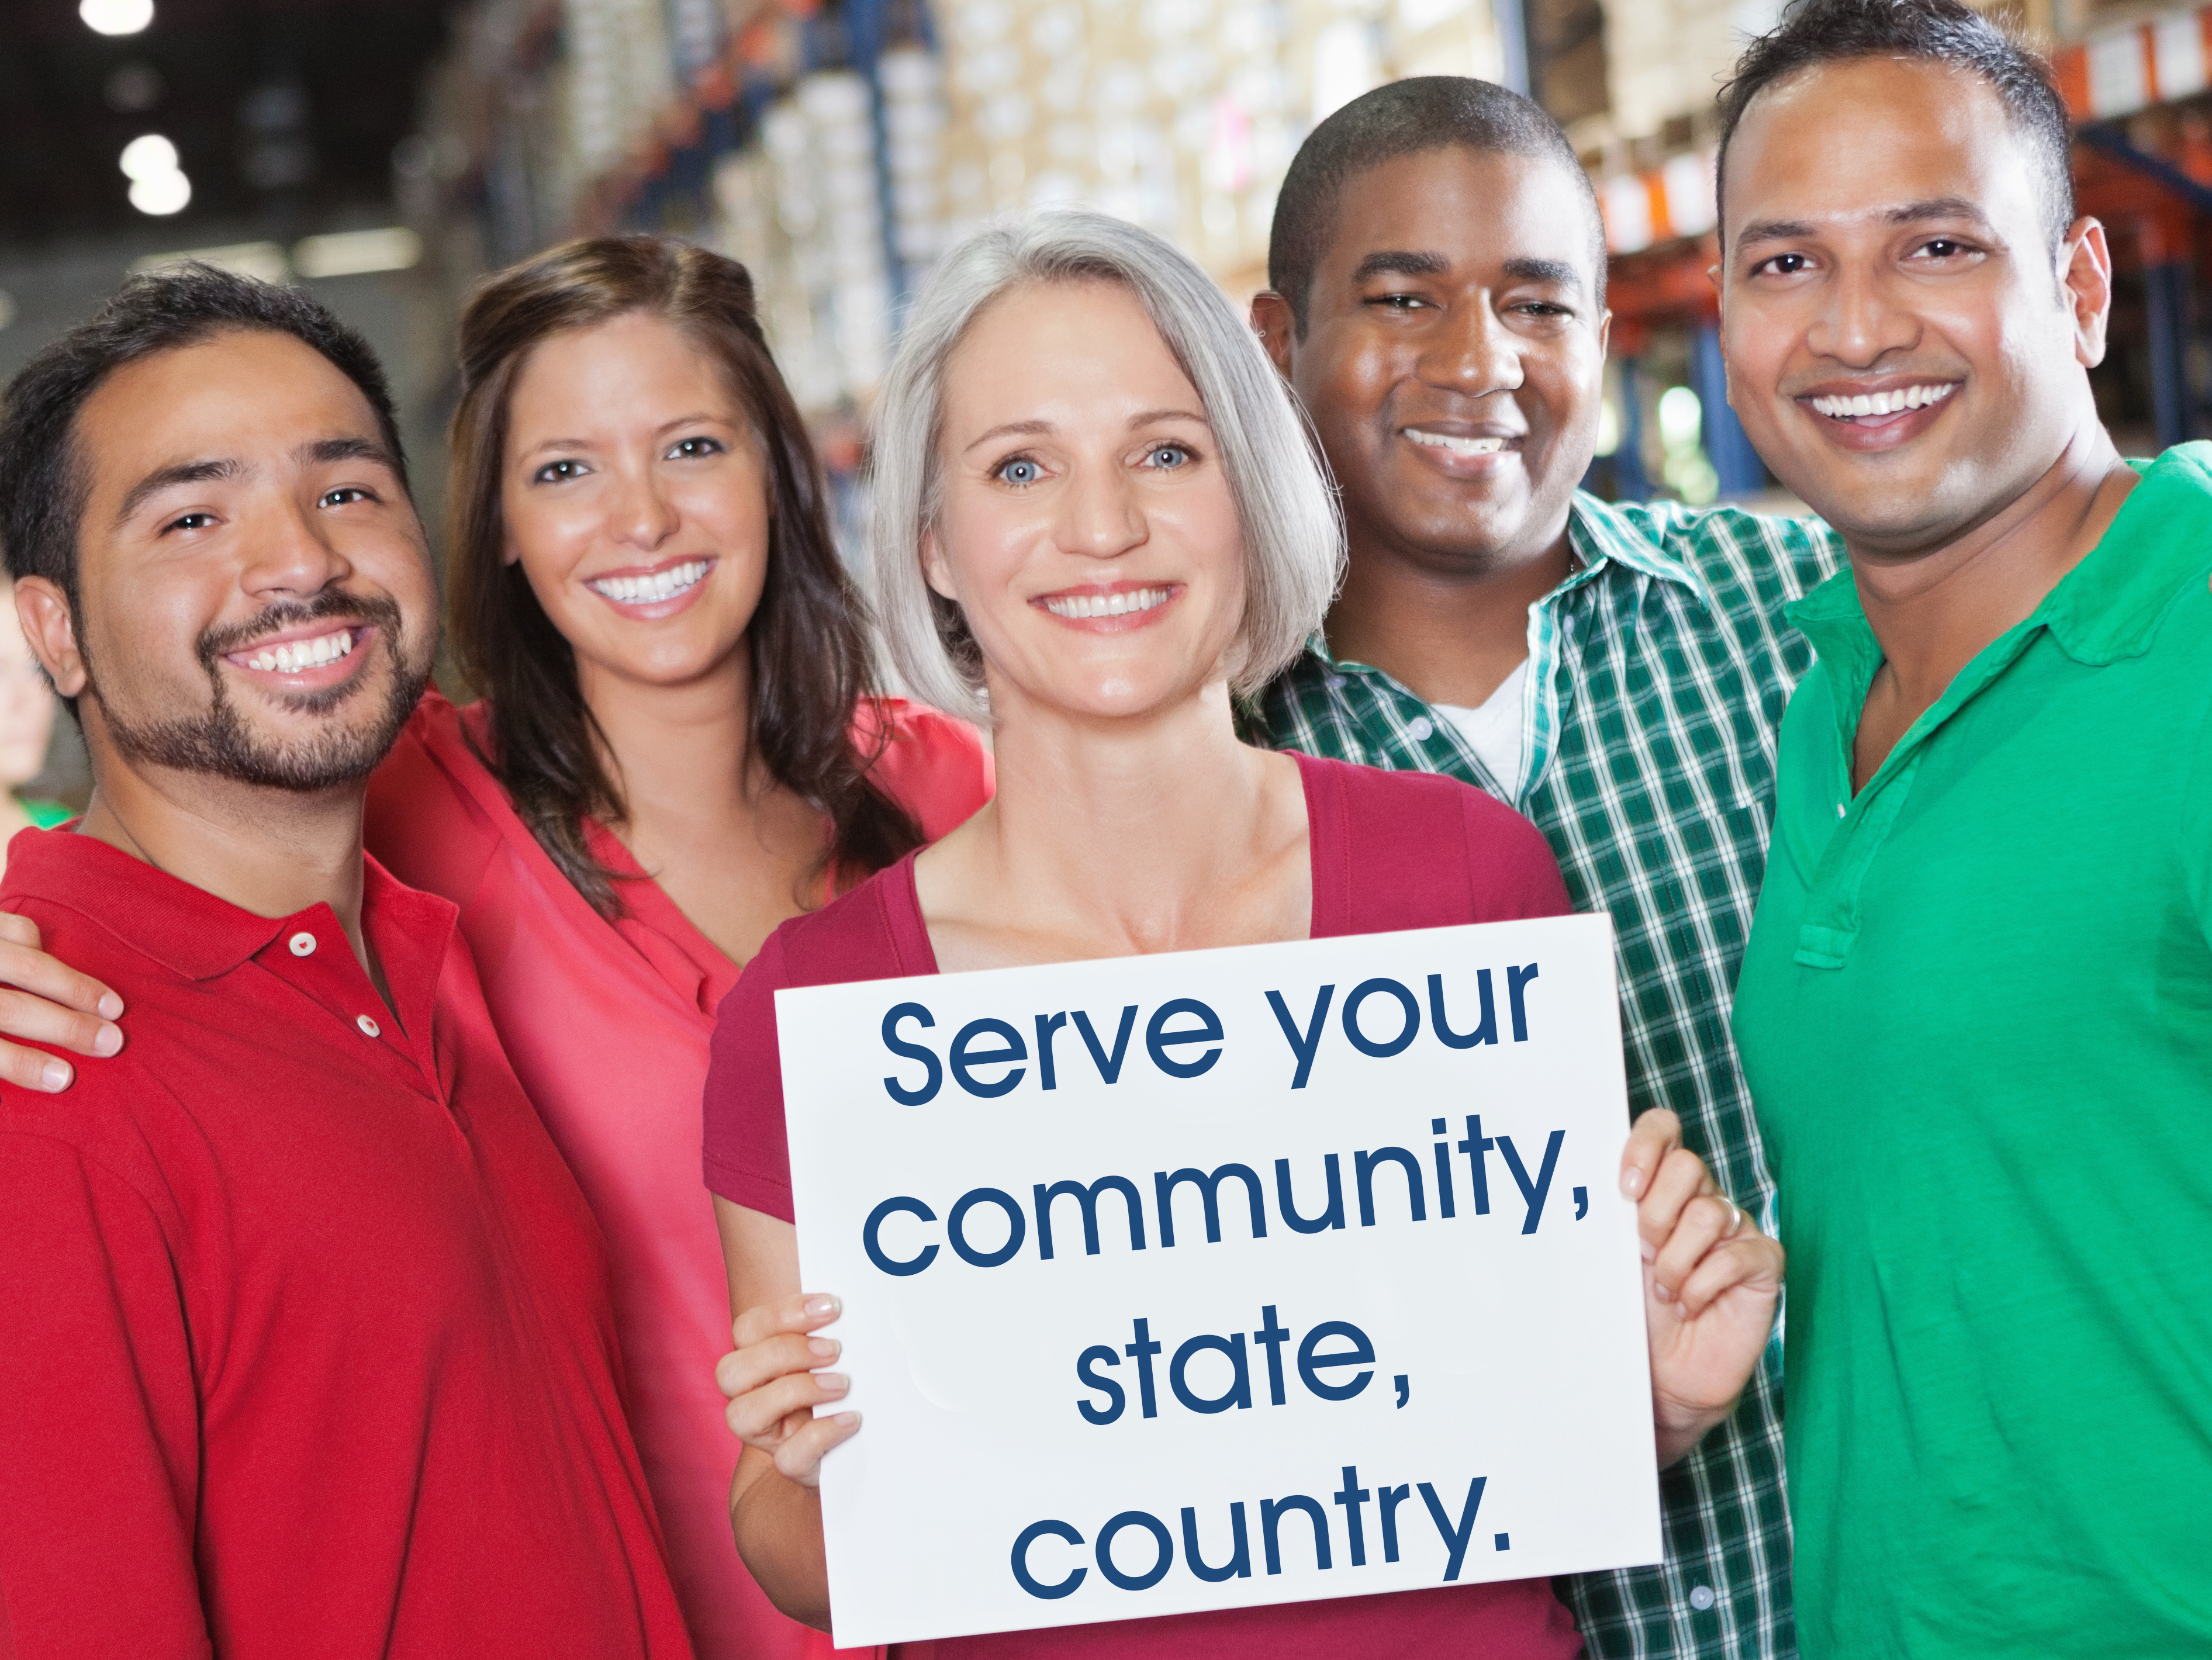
<point x="55" y="1075"/>
<point x="825" y="1347"/>
<point x="831" y="1383"/>
<point x="107" y="1041"/>
<point x="1631" y="1181"/>
<point x="818" y="1306"/>
<point x="111" y="1007"/>
<point x="1651" y="1251"/>
<point x="1661" y="1293"/>
<point x="845" y="1420"/>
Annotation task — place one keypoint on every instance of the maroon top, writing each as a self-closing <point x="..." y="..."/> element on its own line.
<point x="1390" y="850"/>
<point x="305" y="1346"/>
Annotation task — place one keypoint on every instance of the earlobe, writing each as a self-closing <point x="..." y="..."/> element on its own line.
<point x="51" y="631"/>
<point x="1271" y="320"/>
<point x="933" y="571"/>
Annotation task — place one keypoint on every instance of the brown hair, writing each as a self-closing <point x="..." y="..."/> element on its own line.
<point x="808" y="638"/>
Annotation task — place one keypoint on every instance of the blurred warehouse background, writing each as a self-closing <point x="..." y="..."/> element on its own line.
<point x="389" y="152"/>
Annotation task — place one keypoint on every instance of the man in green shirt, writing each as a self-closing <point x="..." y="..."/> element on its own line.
<point x="1617" y="673"/>
<point x="1977" y="1006"/>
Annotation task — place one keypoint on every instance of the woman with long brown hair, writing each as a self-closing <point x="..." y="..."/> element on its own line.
<point x="676" y="747"/>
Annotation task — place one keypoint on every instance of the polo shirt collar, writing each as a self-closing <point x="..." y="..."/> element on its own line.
<point x="187" y="930"/>
<point x="2108" y="607"/>
<point x="2105" y="609"/>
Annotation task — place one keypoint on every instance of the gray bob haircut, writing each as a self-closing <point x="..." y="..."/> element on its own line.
<point x="1293" y="535"/>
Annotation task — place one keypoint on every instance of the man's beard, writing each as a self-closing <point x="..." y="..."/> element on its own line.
<point x="219" y="743"/>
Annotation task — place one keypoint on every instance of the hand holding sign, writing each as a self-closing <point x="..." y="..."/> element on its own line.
<point x="1711" y="1279"/>
<point x="775" y="1390"/>
<point x="1257" y="1361"/>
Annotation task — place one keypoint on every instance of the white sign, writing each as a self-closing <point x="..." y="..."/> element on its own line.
<point x="1224" y="1278"/>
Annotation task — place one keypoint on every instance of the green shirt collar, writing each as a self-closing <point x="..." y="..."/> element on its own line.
<point x="2105" y="609"/>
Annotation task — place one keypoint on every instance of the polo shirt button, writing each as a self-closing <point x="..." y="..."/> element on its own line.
<point x="369" y="1027"/>
<point x="1701" y="1597"/>
<point x="303" y="943"/>
<point x="1420" y="728"/>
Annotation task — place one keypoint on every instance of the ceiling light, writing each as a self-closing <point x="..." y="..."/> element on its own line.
<point x="356" y="252"/>
<point x="160" y="193"/>
<point x="116" y="16"/>
<point x="147" y="157"/>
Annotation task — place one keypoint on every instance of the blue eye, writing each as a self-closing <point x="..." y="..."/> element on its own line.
<point x="1167" y="457"/>
<point x="1020" y="470"/>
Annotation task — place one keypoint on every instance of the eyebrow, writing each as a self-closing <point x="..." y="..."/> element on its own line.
<point x="1403" y="263"/>
<point x="697" y="418"/>
<point x="325" y="451"/>
<point x="1012" y="429"/>
<point x="1038" y="429"/>
<point x="1559" y="272"/>
<point x="1147" y="418"/>
<point x="1399" y="262"/>
<point x="1935" y="207"/>
<point x="182" y="473"/>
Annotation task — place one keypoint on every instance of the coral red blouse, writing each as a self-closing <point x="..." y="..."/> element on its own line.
<point x="607" y="1024"/>
<point x="1390" y="850"/>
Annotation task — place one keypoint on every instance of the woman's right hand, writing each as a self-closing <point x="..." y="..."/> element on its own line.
<point x="774" y="1388"/>
<point x="44" y="1000"/>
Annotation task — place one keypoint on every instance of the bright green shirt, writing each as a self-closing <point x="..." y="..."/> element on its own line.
<point x="1976" y="1015"/>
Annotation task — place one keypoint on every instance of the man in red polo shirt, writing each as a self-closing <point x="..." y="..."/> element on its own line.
<point x="305" y="1346"/>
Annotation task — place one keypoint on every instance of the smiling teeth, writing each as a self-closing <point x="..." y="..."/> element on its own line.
<point x="1438" y="441"/>
<point x="1883" y="403"/>
<point x="645" y="590"/>
<point x="1075" y="605"/>
<point x="296" y="654"/>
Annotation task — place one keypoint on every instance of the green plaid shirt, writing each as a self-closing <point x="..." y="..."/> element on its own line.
<point x="1657" y="676"/>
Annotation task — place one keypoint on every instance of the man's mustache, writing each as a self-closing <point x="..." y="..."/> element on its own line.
<point x="378" y="609"/>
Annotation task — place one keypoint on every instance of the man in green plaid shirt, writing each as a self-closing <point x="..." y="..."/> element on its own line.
<point x="1616" y="673"/>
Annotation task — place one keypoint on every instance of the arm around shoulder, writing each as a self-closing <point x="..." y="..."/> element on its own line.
<point x="935" y="766"/>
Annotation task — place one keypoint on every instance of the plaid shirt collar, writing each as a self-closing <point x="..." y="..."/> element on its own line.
<point x="1610" y="548"/>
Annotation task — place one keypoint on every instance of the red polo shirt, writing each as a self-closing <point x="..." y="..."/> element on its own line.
<point x="305" y="1346"/>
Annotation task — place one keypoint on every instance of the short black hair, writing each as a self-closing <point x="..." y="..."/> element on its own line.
<point x="43" y="480"/>
<point x="1407" y="118"/>
<point x="1816" y="32"/>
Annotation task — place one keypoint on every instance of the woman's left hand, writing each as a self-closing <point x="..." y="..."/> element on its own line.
<point x="1710" y="1283"/>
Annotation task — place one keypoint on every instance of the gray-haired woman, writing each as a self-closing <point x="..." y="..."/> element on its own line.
<point x="1097" y="517"/>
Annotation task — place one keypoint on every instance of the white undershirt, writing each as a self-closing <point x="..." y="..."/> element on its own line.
<point x="1493" y="731"/>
